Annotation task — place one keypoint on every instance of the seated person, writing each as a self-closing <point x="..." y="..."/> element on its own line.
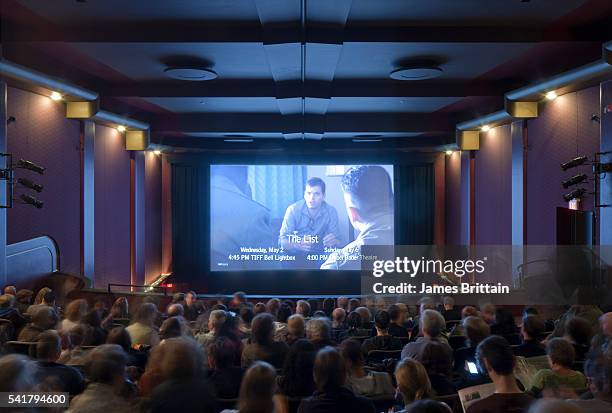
<point x="318" y="332"/>
<point x="366" y="383"/>
<point x="412" y="381"/>
<point x="48" y="300"/>
<point x="450" y="312"/>
<point x="223" y="374"/>
<point x="330" y="378"/>
<point x="338" y="323"/>
<point x="438" y="364"/>
<point x="598" y="368"/>
<point x="467" y="311"/>
<point x="495" y="357"/>
<point x="296" y="329"/>
<point x="432" y="324"/>
<point x="383" y="340"/>
<point x="51" y="375"/>
<point x="297" y="380"/>
<point x="120" y="336"/>
<point x="44" y="319"/>
<point x="9" y="312"/>
<point x="560" y="379"/>
<point x="398" y="318"/>
<point x="476" y="330"/>
<point x="262" y="346"/>
<point x="531" y="330"/>
<point x="144" y="331"/>
<point x="579" y="332"/>
<point x="504" y="324"/>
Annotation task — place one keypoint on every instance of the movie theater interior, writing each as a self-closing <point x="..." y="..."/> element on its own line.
<point x="306" y="206"/>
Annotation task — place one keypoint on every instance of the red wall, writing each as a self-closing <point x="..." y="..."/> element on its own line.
<point x="153" y="216"/>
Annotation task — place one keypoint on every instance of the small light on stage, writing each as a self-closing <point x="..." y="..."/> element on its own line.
<point x="485" y="128"/>
<point x="552" y="95"/>
<point x="170" y="285"/>
<point x="449" y="153"/>
<point x="157" y="152"/>
<point x="574" y="204"/>
<point x="121" y="128"/>
<point x="56" y="96"/>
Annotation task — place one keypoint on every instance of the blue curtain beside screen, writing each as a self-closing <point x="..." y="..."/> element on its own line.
<point x="277" y="186"/>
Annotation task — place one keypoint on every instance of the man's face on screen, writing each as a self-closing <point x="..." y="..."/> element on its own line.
<point x="313" y="196"/>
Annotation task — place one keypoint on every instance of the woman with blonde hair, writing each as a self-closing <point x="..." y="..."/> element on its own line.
<point x="75" y="311"/>
<point x="257" y="390"/>
<point x="412" y="381"/>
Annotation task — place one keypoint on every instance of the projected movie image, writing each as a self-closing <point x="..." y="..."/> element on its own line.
<point x="303" y="217"/>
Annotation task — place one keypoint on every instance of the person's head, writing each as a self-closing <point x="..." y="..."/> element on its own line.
<point x="257" y="389"/>
<point x="296" y="326"/>
<point x="298" y="367"/>
<point x="353" y="304"/>
<point x="353" y="320"/>
<point x="532" y="328"/>
<point x="412" y="381"/>
<point x="48" y="346"/>
<point x="314" y="193"/>
<point x="436" y="359"/>
<point x="272" y="306"/>
<point x="76" y="310"/>
<point x="303" y="308"/>
<point x="318" y="329"/>
<point x="45" y="318"/>
<point x="426" y="303"/>
<point x="175" y="310"/>
<point x="560" y="353"/>
<point x="238" y="298"/>
<point x="78" y="334"/>
<point x="468" y="311"/>
<point x="342" y="302"/>
<point x="262" y="329"/>
<point x="284" y="312"/>
<point x="120" y="308"/>
<point x="178" y="358"/>
<point x="24" y="296"/>
<point x="49" y="298"/>
<point x="488" y="313"/>
<point x="146" y="314"/>
<point x="476" y="330"/>
<point x="190" y="298"/>
<point x="106" y="364"/>
<point x="598" y="369"/>
<point x="554" y="406"/>
<point x="17" y="373"/>
<point x="329" y="370"/>
<point x="221" y="354"/>
<point x="449" y="303"/>
<point x="495" y="357"/>
<point x="216" y="320"/>
<point x="121" y="337"/>
<point x="10" y="289"/>
<point x="351" y="353"/>
<point x="170" y="328"/>
<point x="428" y="406"/>
<point x="367" y="193"/>
<point x="605" y="321"/>
<point x="338" y="316"/>
<point x="365" y="314"/>
<point x="41" y="293"/>
<point x="530" y="311"/>
<point x="579" y="331"/>
<point x="382" y="321"/>
<point x="259" y="308"/>
<point x="7" y="301"/>
<point x="432" y="323"/>
<point x="396" y="315"/>
<point x="246" y="314"/>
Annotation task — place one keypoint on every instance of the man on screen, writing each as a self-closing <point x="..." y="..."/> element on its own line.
<point x="369" y="204"/>
<point x="310" y="224"/>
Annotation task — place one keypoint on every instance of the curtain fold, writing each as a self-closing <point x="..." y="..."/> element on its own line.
<point x="415" y="203"/>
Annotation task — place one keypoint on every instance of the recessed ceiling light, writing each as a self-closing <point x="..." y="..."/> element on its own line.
<point x="193" y="74"/>
<point x="416" y="73"/>
<point x="485" y="128"/>
<point x="56" y="96"/>
<point x="552" y="95"/>
<point x="238" y="140"/>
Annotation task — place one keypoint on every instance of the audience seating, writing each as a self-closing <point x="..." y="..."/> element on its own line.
<point x="456" y="342"/>
<point x="27" y="348"/>
<point x="377" y="356"/>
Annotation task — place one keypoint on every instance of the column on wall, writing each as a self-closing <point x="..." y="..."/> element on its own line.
<point x="605" y="197"/>
<point x="3" y="198"/>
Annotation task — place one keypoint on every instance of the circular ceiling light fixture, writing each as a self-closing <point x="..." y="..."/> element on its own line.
<point x="416" y="73"/>
<point x="192" y="74"/>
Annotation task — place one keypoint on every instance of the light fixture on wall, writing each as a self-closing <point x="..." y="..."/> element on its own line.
<point x="157" y="152"/>
<point x="56" y="96"/>
<point x="574" y="180"/>
<point x="552" y="95"/>
<point x="30" y="200"/>
<point x="121" y="128"/>
<point x="580" y="160"/>
<point x="485" y="128"/>
<point x="575" y="194"/>
<point x="449" y="152"/>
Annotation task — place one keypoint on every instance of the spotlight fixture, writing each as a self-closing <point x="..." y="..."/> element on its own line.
<point x="485" y="128"/>
<point x="552" y="95"/>
<point x="55" y="96"/>
<point x="30" y="200"/>
<point x="157" y="152"/>
<point x="188" y="73"/>
<point x="575" y="194"/>
<point x="416" y="73"/>
<point x="449" y="153"/>
<point x="30" y="185"/>
<point x="121" y="128"/>
<point x="574" y="180"/>
<point x="31" y="166"/>
<point x="581" y="160"/>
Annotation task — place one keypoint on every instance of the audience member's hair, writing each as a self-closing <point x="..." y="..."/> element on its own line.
<point x="121" y="337"/>
<point x="41" y="294"/>
<point x="353" y="304"/>
<point x="303" y="308"/>
<point x="175" y="309"/>
<point x="366" y="315"/>
<point x="394" y="312"/>
<point x="579" y="330"/>
<point x="297" y="379"/>
<point x="476" y="330"/>
<point x="146" y="313"/>
<point x="498" y="353"/>
<point x="246" y="314"/>
<point x="436" y="359"/>
<point x="318" y="329"/>
<point x="105" y="363"/>
<point x="76" y="310"/>
<point x="329" y="370"/>
<point x="284" y="312"/>
<point x="412" y="381"/>
<point x="259" y="308"/>
<point x="170" y="328"/>
<point x="17" y="373"/>
<point x="7" y="300"/>
<point x="448" y="301"/>
<point x="216" y="319"/>
<point x="24" y="294"/>
<point x="428" y="406"/>
<point x="338" y="316"/>
<point x="48" y="346"/>
<point x="382" y="320"/>
<point x="262" y="329"/>
<point x="328" y="306"/>
<point x="533" y="326"/>
<point x="296" y="325"/>
<point x="273" y="305"/>
<point x="45" y="318"/>
<point x="469" y="311"/>
<point x="554" y="406"/>
<point x="49" y="297"/>
<point x="257" y="389"/>
<point x="351" y="351"/>
<point x="432" y="323"/>
<point x="222" y="353"/>
<point x="426" y="303"/>
<point x="560" y="352"/>
<point x="353" y="320"/>
<point x="180" y="358"/>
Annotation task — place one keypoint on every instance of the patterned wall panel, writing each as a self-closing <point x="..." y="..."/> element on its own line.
<point x="112" y="208"/>
<point x="563" y="131"/>
<point x="43" y="135"/>
<point x="493" y="188"/>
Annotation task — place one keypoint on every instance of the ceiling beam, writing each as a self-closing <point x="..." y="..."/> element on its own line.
<point x="176" y="31"/>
